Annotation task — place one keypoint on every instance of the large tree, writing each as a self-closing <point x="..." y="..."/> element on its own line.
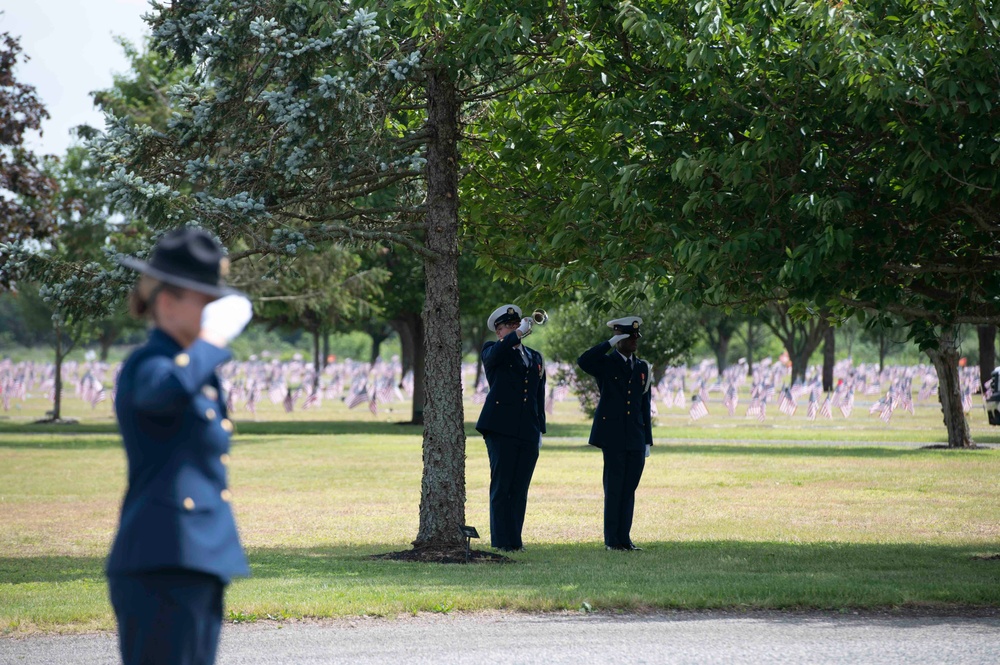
<point x="744" y="153"/>
<point x="309" y="123"/>
<point x="26" y="190"/>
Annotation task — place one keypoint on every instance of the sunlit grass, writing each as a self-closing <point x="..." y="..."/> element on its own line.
<point x="832" y="517"/>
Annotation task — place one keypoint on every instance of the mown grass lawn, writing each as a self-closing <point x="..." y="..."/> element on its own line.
<point x="731" y="513"/>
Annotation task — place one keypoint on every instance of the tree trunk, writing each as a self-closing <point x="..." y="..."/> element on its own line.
<point x="751" y="340"/>
<point x="883" y="349"/>
<point x="410" y="329"/>
<point x="57" y="396"/>
<point x="479" y="368"/>
<point x="721" y="348"/>
<point x="829" y="359"/>
<point x="377" y="339"/>
<point x="106" y="340"/>
<point x="326" y="348"/>
<point x="945" y="359"/>
<point x="317" y="360"/>
<point x="987" y="353"/>
<point x="800" y="338"/>
<point x="442" y="491"/>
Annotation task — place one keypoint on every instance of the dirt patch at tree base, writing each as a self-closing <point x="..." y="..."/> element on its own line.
<point x="443" y="555"/>
<point x="57" y="421"/>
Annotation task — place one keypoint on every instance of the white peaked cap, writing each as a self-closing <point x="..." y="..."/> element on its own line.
<point x="626" y="322"/>
<point x="491" y="322"/>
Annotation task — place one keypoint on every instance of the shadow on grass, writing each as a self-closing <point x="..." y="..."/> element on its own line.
<point x="690" y="575"/>
<point x="53" y="429"/>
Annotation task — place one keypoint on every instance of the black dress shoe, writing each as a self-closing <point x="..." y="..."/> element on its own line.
<point x="616" y="548"/>
<point x="632" y="548"/>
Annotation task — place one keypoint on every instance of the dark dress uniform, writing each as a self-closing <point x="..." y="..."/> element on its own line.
<point x="512" y="422"/>
<point x="622" y="429"/>
<point x="177" y="545"/>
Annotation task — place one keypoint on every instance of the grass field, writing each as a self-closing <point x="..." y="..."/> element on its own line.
<point x="732" y="514"/>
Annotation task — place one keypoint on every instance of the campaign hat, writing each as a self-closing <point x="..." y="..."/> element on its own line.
<point x="189" y="258"/>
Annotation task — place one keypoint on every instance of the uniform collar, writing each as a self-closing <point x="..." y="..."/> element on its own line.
<point x="160" y="338"/>
<point x="623" y="357"/>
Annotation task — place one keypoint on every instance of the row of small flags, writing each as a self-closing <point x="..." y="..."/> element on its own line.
<point x="377" y="383"/>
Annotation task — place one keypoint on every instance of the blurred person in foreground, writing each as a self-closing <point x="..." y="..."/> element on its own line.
<point x="622" y="426"/>
<point x="177" y="546"/>
<point x="512" y="422"/>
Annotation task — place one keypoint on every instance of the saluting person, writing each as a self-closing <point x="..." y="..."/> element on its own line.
<point x="512" y="422"/>
<point x="622" y="426"/>
<point x="177" y="546"/>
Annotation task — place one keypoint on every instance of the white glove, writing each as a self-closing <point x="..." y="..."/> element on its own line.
<point x="226" y="317"/>
<point x="525" y="327"/>
<point x="648" y="449"/>
<point x="617" y="338"/>
<point x="539" y="440"/>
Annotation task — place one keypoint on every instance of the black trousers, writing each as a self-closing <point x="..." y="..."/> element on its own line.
<point x="167" y="617"/>
<point x="512" y="463"/>
<point x="622" y="471"/>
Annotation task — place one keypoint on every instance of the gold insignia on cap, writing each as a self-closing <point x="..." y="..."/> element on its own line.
<point x="510" y="310"/>
<point x="182" y="360"/>
<point x="635" y="324"/>
<point x="224" y="267"/>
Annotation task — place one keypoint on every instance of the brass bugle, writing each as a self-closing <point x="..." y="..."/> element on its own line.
<point x="539" y="316"/>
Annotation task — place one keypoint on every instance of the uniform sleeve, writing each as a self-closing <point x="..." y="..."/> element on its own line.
<point x="647" y="402"/>
<point x="164" y="384"/>
<point x="592" y="360"/>
<point x="541" y="395"/>
<point x="494" y="352"/>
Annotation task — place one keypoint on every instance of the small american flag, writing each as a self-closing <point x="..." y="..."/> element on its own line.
<point x="373" y="404"/>
<point x="698" y="408"/>
<point x="786" y="404"/>
<point x="756" y="409"/>
<point x="877" y="406"/>
<point x="99" y="396"/>
<point x="813" y="407"/>
<point x="847" y="406"/>
<point x="731" y="399"/>
<point x="312" y="400"/>
<point x="967" y="400"/>
<point x="358" y="397"/>
<point x="827" y="409"/>
<point x="288" y="402"/>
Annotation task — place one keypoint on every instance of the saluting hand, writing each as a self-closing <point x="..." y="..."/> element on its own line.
<point x="223" y="319"/>
<point x="617" y="338"/>
<point x="524" y="328"/>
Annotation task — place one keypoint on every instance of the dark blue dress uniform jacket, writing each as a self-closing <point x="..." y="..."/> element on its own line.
<point x="622" y="419"/>
<point x="515" y="404"/>
<point x="172" y="417"/>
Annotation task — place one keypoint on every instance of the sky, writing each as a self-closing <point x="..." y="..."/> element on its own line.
<point x="73" y="52"/>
